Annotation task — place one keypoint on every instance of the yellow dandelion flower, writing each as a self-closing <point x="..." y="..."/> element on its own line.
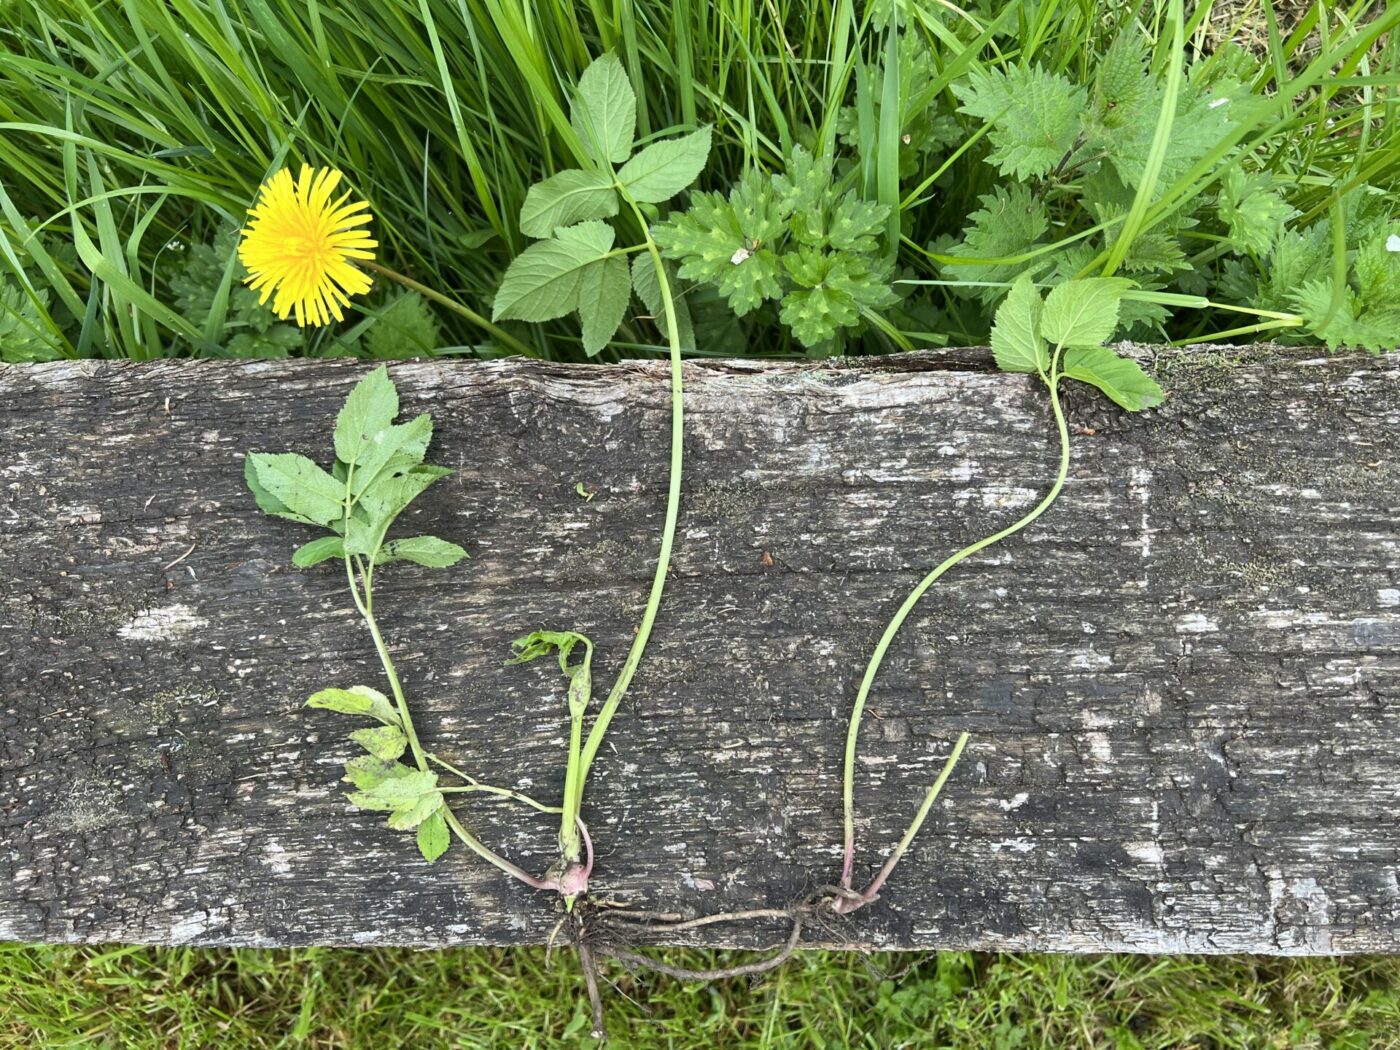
<point x="298" y="245"/>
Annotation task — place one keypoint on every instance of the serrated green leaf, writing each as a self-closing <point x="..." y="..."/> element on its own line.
<point x="407" y="789"/>
<point x="542" y="282"/>
<point x="729" y="242"/>
<point x="266" y="501"/>
<point x="1121" y="378"/>
<point x="1035" y="116"/>
<point x="396" y="449"/>
<point x="412" y="814"/>
<point x="433" y="836"/>
<point x="357" y="700"/>
<point x="364" y="800"/>
<point x="428" y="551"/>
<point x="1252" y="211"/>
<point x="386" y="742"/>
<point x="318" y="550"/>
<point x="663" y="169"/>
<point x="561" y="200"/>
<point x="366" y="771"/>
<point x="371" y="407"/>
<point x="301" y="487"/>
<point x="649" y="291"/>
<point x="403" y="327"/>
<point x="834" y="288"/>
<point x="855" y="224"/>
<point x="381" y="503"/>
<point x="1016" y="342"/>
<point x="605" y="289"/>
<point x="1010" y="222"/>
<point x="604" y="113"/>
<point x="1082" y="313"/>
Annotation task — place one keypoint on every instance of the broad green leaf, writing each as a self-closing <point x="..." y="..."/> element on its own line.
<point x="1035" y="116"/>
<point x="1082" y="313"/>
<point x="382" y="503"/>
<point x="364" y="800"/>
<point x="605" y="289"/>
<point x="317" y="551"/>
<point x="366" y="771"/>
<point x="420" y="809"/>
<point x="1119" y="377"/>
<point x="649" y="291"/>
<point x="266" y="501"/>
<point x="604" y="113"/>
<point x="834" y="288"/>
<point x="564" y="199"/>
<point x="542" y="282"/>
<point x="663" y="169"/>
<point x="386" y="742"/>
<point x="371" y="407"/>
<point x="421" y="550"/>
<point x="299" y="485"/>
<point x="728" y="242"/>
<point x="406" y="790"/>
<point x="393" y="450"/>
<point x="357" y="700"/>
<point x="433" y="837"/>
<point x="1016" y="341"/>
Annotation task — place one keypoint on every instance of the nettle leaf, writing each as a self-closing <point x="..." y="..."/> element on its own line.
<point x="421" y="550"/>
<point x="318" y="550"/>
<point x="1016" y="342"/>
<point x="1203" y="118"/>
<point x="605" y="289"/>
<point x="1010" y="223"/>
<point x="1082" y="313"/>
<point x="661" y="170"/>
<point x="1254" y="213"/>
<point x="433" y="836"/>
<point x="649" y="291"/>
<point x="403" y="327"/>
<point x="384" y="742"/>
<point x="1121" y="378"/>
<point x="301" y="489"/>
<point x="561" y="200"/>
<point x="1035" y="116"/>
<point x="357" y="700"/>
<point x="1121" y="84"/>
<point x="604" y="113"/>
<point x="542" y="282"/>
<point x="371" y="407"/>
<point x="1345" y="324"/>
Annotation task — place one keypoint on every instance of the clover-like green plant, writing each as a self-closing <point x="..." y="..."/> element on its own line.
<point x="1059" y="337"/>
<point x="377" y="472"/>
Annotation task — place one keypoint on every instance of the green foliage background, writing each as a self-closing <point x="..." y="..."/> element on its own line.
<point x="988" y="140"/>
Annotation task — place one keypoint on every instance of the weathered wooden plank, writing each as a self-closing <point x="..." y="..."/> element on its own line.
<point x="1183" y="682"/>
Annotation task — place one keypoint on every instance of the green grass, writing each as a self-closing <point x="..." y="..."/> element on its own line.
<point x="131" y="131"/>
<point x="133" y="998"/>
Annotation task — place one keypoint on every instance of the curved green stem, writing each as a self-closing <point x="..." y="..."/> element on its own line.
<point x="599" y="728"/>
<point x="365" y="605"/>
<point x="500" y="334"/>
<point x="892" y="628"/>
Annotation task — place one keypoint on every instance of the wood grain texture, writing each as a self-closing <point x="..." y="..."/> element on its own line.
<point x="1183" y="683"/>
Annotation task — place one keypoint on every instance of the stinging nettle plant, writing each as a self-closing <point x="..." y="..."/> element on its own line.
<point x="1055" y="338"/>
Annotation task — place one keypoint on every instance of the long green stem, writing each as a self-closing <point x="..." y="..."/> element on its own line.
<point x="892" y="628"/>
<point x="365" y="605"/>
<point x="599" y="728"/>
<point x="500" y="334"/>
